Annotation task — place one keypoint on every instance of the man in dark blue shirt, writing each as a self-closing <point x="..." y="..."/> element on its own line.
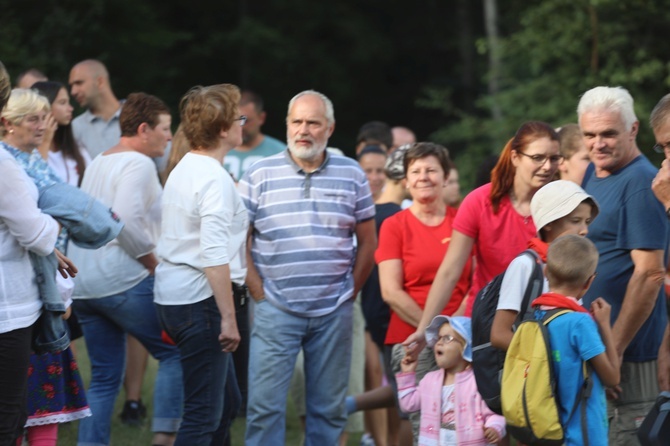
<point x="631" y="234"/>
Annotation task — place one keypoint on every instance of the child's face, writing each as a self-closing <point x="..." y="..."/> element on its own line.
<point x="449" y="347"/>
<point x="576" y="223"/>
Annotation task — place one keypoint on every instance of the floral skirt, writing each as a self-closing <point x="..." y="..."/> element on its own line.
<point x="55" y="390"/>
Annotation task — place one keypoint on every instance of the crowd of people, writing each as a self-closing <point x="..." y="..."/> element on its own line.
<point x="231" y="256"/>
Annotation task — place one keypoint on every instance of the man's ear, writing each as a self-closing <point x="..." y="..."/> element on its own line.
<point x="142" y="129"/>
<point x="634" y="129"/>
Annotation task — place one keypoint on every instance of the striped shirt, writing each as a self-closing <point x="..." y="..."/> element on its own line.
<point x="303" y="229"/>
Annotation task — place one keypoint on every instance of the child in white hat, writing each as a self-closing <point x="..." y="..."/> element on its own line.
<point x="558" y="208"/>
<point x="452" y="411"/>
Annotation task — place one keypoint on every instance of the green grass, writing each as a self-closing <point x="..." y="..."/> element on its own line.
<point x="123" y="435"/>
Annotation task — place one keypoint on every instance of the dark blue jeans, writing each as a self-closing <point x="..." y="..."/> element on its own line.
<point x="211" y="396"/>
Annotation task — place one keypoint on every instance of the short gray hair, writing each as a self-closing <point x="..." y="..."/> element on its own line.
<point x="330" y="112"/>
<point x="616" y="99"/>
<point x="660" y="113"/>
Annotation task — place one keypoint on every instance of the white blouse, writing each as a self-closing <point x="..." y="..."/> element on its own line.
<point x="128" y="183"/>
<point x="204" y="224"/>
<point x="23" y="228"/>
<point x="66" y="168"/>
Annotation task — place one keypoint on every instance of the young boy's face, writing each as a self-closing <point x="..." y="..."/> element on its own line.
<point x="576" y="223"/>
<point x="449" y="347"/>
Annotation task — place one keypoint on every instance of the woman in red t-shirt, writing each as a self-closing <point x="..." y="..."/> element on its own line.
<point x="412" y="243"/>
<point x="494" y="219"/>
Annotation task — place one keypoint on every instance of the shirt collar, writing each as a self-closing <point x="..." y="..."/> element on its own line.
<point x="90" y="117"/>
<point x="299" y="169"/>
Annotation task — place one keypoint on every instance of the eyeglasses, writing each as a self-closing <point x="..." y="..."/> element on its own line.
<point x="447" y="339"/>
<point x="541" y="159"/>
<point x="661" y="148"/>
<point x="242" y="119"/>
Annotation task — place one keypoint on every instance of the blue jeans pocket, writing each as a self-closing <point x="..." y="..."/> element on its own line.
<point x="175" y="318"/>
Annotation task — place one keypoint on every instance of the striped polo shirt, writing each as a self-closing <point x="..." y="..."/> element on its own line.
<point x="303" y="229"/>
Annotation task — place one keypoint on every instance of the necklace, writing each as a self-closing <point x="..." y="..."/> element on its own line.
<point x="523" y="211"/>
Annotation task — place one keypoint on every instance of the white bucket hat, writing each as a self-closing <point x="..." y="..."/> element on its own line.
<point x="556" y="200"/>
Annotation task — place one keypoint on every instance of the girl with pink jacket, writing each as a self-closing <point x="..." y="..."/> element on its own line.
<point x="452" y="411"/>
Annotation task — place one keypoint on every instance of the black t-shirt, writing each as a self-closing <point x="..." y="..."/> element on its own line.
<point x="377" y="313"/>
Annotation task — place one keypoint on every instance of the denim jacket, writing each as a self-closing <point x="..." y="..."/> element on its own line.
<point x="90" y="225"/>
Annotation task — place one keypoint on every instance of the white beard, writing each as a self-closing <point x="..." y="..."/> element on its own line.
<point x="306" y="153"/>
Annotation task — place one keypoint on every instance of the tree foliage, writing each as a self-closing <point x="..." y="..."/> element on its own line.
<point x="552" y="52"/>
<point x="423" y="65"/>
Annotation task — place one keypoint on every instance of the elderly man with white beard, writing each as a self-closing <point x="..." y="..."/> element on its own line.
<point x="304" y="271"/>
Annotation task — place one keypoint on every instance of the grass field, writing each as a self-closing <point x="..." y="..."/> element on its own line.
<point x="123" y="435"/>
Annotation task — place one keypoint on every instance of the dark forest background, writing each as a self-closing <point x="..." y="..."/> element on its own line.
<point x="465" y="73"/>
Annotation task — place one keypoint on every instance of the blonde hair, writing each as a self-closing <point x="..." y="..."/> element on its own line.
<point x="5" y="86"/>
<point x="21" y="103"/>
<point x="180" y="147"/>
<point x="571" y="140"/>
<point x="205" y="111"/>
<point x="571" y="260"/>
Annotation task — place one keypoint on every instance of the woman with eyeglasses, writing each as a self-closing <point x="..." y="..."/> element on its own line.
<point x="494" y="220"/>
<point x="201" y="275"/>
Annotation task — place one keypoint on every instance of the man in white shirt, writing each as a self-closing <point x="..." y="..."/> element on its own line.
<point x="97" y="130"/>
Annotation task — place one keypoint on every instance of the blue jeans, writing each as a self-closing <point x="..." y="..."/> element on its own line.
<point x="105" y="322"/>
<point x="211" y="396"/>
<point x="276" y="338"/>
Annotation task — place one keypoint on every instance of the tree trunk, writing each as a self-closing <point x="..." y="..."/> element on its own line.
<point x="466" y="50"/>
<point x="491" y="23"/>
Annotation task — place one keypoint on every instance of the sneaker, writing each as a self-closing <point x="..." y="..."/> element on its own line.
<point x="367" y="440"/>
<point x="133" y="413"/>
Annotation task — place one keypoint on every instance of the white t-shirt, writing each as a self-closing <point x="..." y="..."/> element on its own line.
<point x="205" y="224"/>
<point x="128" y="183"/>
<point x="66" y="168"/>
<point x="515" y="282"/>
<point x="448" y="421"/>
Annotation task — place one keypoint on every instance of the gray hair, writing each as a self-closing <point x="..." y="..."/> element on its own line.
<point x="660" y="113"/>
<point x="616" y="99"/>
<point x="330" y="113"/>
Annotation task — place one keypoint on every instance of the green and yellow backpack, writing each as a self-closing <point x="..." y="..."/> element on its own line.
<point x="528" y="390"/>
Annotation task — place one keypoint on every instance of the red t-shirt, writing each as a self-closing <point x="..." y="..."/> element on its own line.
<point x="499" y="238"/>
<point x="421" y="249"/>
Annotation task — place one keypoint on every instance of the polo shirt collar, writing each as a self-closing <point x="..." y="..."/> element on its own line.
<point x="299" y="169"/>
<point x="90" y="117"/>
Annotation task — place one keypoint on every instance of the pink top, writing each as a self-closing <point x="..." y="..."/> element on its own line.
<point x="499" y="238"/>
<point x="472" y="416"/>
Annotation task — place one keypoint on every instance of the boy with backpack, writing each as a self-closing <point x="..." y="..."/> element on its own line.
<point x="577" y="341"/>
<point x="558" y="208"/>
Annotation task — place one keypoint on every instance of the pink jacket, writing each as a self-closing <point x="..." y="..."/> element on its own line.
<point x="472" y="416"/>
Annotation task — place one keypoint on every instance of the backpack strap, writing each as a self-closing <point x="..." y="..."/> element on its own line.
<point x="583" y="395"/>
<point x="533" y="289"/>
<point x="585" y="390"/>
